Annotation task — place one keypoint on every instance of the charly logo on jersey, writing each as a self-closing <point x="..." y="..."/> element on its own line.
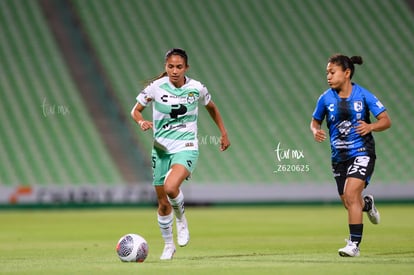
<point x="358" y="106"/>
<point x="164" y="98"/>
<point x="331" y="108"/>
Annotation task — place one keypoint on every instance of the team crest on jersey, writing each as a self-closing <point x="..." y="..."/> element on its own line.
<point x="358" y="106"/>
<point x="191" y="98"/>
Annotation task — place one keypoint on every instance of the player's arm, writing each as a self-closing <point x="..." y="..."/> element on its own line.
<point x="383" y="123"/>
<point x="318" y="133"/>
<point x="136" y="114"/>
<point x="215" y="115"/>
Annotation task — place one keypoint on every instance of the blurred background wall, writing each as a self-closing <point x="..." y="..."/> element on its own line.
<point x="71" y="69"/>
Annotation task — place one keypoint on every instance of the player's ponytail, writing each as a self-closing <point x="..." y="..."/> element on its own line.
<point x="161" y="75"/>
<point x="356" y="59"/>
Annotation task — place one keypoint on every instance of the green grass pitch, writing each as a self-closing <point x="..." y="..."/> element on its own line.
<point x="224" y="240"/>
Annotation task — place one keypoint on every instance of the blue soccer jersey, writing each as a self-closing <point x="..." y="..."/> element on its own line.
<point x="342" y="116"/>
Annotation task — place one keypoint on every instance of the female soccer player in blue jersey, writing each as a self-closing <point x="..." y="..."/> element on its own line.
<point x="346" y="106"/>
<point x="175" y="98"/>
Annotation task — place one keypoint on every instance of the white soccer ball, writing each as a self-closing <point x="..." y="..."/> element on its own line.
<point x="132" y="248"/>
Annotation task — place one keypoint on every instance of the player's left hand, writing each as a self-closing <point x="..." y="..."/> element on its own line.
<point x="363" y="128"/>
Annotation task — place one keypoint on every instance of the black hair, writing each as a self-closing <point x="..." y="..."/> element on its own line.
<point x="168" y="54"/>
<point x="177" y="51"/>
<point x="346" y="62"/>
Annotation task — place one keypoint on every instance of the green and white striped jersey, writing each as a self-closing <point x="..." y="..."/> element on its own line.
<point x="175" y="112"/>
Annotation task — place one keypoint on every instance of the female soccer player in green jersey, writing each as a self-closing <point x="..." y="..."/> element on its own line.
<point x="174" y="98"/>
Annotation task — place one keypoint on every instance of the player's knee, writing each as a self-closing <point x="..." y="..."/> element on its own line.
<point x="171" y="191"/>
<point x="351" y="201"/>
<point x="172" y="187"/>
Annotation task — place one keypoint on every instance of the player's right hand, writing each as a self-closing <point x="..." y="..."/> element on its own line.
<point x="319" y="135"/>
<point x="145" y="125"/>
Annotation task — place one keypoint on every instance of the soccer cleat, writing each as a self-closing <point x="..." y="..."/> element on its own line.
<point x="350" y="250"/>
<point x="168" y="253"/>
<point x="183" y="235"/>
<point x="373" y="214"/>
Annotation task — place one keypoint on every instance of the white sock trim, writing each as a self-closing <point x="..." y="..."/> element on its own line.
<point x="166" y="226"/>
<point x="177" y="200"/>
<point x="178" y="205"/>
